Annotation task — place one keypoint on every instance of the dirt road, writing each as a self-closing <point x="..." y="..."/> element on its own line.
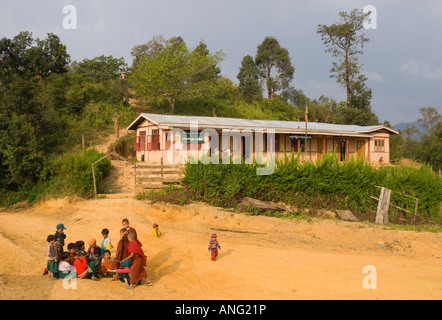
<point x="321" y="259"/>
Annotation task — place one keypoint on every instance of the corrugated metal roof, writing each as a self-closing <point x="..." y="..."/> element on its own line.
<point x="220" y="122"/>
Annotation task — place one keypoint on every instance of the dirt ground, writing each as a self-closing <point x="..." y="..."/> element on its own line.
<point x="294" y="259"/>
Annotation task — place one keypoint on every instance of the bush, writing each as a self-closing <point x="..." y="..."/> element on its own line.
<point x="71" y="174"/>
<point x="39" y="191"/>
<point x="99" y="114"/>
<point x="124" y="146"/>
<point x="326" y="183"/>
<point x="76" y="168"/>
<point x="422" y="183"/>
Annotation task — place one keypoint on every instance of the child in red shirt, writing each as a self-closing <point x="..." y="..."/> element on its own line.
<point x="82" y="268"/>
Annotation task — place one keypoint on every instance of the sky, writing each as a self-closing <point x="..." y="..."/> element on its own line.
<point x="403" y="59"/>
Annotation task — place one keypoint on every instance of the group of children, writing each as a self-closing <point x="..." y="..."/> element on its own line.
<point x="127" y="266"/>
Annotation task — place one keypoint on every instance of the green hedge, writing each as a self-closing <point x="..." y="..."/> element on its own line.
<point x="70" y="174"/>
<point x="326" y="183"/>
<point x="76" y="169"/>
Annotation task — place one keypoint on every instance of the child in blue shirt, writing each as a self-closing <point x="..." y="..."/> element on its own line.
<point x="59" y="235"/>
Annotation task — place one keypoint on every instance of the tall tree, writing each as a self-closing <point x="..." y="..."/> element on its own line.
<point x="213" y="72"/>
<point x="49" y="56"/>
<point x="25" y="56"/>
<point x="148" y="49"/>
<point x="101" y="68"/>
<point x="275" y="65"/>
<point x="410" y="145"/>
<point x="14" y="57"/>
<point x="293" y="96"/>
<point x="345" y="40"/>
<point x="430" y="117"/>
<point x="176" y="72"/>
<point x="249" y="79"/>
<point x="345" y="114"/>
<point x="430" y="150"/>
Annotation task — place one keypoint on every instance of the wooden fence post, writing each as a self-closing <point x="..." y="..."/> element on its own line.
<point x="161" y="168"/>
<point x="383" y="206"/>
<point x="135" y="177"/>
<point x="415" y="209"/>
<point x="95" y="181"/>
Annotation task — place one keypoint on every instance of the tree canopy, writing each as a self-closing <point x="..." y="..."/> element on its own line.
<point x="100" y="68"/>
<point x="345" y="40"/>
<point x="249" y="79"/>
<point x="25" y="56"/>
<point x="47" y="104"/>
<point x="275" y="65"/>
<point x="176" y="72"/>
<point x="148" y="49"/>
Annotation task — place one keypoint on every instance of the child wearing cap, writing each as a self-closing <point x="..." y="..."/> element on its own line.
<point x="92" y="244"/>
<point x="214" y="246"/>
<point x="59" y="235"/>
<point x="156" y="231"/>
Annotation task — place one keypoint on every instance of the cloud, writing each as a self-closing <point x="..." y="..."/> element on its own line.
<point x="435" y="8"/>
<point x="421" y="69"/>
<point x="314" y="88"/>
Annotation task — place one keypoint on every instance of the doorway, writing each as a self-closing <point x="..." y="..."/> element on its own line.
<point x="342" y="149"/>
<point x="361" y="149"/>
<point x="319" y="147"/>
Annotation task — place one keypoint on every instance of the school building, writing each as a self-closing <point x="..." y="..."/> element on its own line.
<point x="170" y="138"/>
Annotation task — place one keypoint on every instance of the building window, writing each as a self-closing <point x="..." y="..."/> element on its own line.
<point x="379" y="145"/>
<point x="157" y="131"/>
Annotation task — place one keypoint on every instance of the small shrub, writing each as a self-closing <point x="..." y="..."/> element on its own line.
<point x="124" y="146"/>
<point x="76" y="168"/>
